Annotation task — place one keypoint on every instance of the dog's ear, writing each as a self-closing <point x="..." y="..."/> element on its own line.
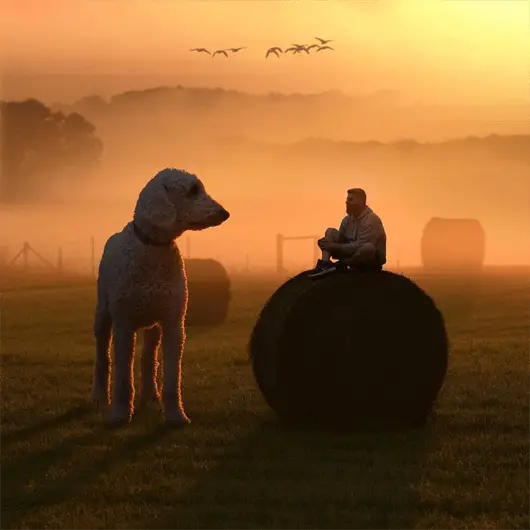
<point x="157" y="210"/>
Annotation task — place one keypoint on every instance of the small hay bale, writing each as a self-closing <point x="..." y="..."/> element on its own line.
<point x="208" y="292"/>
<point x="453" y="245"/>
<point x="3" y="257"/>
<point x="350" y="349"/>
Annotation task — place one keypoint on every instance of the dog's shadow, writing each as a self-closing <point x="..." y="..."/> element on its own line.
<point x="122" y="445"/>
<point x="75" y="413"/>
<point x="298" y="477"/>
<point x="276" y="476"/>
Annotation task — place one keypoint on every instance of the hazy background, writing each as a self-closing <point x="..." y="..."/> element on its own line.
<point x="278" y="141"/>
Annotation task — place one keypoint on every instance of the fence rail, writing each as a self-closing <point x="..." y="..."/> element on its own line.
<point x="280" y="242"/>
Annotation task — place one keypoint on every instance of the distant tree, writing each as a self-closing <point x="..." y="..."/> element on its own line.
<point x="91" y="105"/>
<point x="37" y="145"/>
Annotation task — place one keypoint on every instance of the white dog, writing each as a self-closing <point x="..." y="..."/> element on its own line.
<point x="142" y="284"/>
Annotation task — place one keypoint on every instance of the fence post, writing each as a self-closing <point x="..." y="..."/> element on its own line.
<point x="279" y="253"/>
<point x="280" y="240"/>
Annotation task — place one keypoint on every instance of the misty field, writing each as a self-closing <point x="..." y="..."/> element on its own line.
<point x="235" y="466"/>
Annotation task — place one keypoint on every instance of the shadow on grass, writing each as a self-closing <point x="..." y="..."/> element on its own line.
<point x="19" y="498"/>
<point x="278" y="476"/>
<point x="75" y="413"/>
<point x="286" y="477"/>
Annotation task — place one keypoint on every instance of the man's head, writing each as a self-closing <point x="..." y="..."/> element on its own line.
<point x="355" y="201"/>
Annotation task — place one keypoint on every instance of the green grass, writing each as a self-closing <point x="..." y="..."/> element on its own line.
<point x="234" y="466"/>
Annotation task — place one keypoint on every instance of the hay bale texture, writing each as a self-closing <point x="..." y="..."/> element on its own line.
<point x="350" y="349"/>
<point x="209" y="292"/>
<point x="453" y="245"/>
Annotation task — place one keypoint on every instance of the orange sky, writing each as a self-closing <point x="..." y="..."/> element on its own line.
<point x="442" y="51"/>
<point x="456" y="51"/>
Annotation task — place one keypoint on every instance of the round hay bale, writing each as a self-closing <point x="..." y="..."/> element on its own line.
<point x="3" y="257"/>
<point x="208" y="292"/>
<point x="453" y="245"/>
<point x="350" y="349"/>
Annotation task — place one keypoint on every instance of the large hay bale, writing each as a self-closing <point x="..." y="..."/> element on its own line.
<point x="453" y="245"/>
<point x="208" y="292"/>
<point x="3" y="257"/>
<point x="350" y="349"/>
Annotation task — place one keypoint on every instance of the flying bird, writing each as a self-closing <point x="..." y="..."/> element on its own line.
<point x="234" y="50"/>
<point x="273" y="50"/>
<point x="320" y="48"/>
<point x="297" y="48"/>
<point x="323" y="41"/>
<point x="313" y="46"/>
<point x="300" y="49"/>
<point x="219" y="52"/>
<point x="201" y="50"/>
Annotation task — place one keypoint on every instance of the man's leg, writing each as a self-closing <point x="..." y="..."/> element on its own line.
<point x="365" y="259"/>
<point x="325" y="265"/>
<point x="333" y="236"/>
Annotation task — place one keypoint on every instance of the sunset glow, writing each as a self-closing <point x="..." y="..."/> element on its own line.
<point x="463" y="54"/>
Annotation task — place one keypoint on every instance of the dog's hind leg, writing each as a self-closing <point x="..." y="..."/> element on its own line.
<point x="149" y="390"/>
<point x="103" y="336"/>
<point x="122" y="406"/>
<point x="173" y="338"/>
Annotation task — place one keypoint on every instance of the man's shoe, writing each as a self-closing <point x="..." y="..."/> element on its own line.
<point x="340" y="266"/>
<point x="322" y="268"/>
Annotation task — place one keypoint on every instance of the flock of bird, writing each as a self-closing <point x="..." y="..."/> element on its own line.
<point x="275" y="50"/>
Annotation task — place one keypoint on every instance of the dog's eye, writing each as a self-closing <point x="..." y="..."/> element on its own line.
<point x="194" y="191"/>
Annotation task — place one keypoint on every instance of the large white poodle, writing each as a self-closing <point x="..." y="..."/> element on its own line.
<point x="142" y="284"/>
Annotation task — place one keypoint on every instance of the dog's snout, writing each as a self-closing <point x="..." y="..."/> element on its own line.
<point x="225" y="214"/>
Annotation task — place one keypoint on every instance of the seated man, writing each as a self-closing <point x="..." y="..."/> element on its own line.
<point x="360" y="242"/>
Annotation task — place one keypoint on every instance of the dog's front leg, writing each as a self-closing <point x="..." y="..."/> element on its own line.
<point x="122" y="406"/>
<point x="149" y="390"/>
<point x="173" y="338"/>
<point x="103" y="335"/>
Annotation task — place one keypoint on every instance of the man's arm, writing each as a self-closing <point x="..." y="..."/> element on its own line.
<point x="336" y="246"/>
<point x="343" y="229"/>
<point x="369" y="232"/>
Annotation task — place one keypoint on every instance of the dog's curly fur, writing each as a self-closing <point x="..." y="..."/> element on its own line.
<point x="142" y="284"/>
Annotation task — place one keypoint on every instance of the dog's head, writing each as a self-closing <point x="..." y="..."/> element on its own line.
<point x="174" y="201"/>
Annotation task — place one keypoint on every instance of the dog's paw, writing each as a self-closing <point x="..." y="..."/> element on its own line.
<point x="119" y="418"/>
<point x="118" y="422"/>
<point x="149" y="400"/>
<point x="99" y="400"/>
<point x="177" y="419"/>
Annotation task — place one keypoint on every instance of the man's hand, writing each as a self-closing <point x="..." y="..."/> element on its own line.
<point x="328" y="246"/>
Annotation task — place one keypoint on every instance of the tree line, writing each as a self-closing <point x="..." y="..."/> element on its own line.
<point x="38" y="144"/>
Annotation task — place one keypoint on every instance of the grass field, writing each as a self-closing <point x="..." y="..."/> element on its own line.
<point x="235" y="466"/>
